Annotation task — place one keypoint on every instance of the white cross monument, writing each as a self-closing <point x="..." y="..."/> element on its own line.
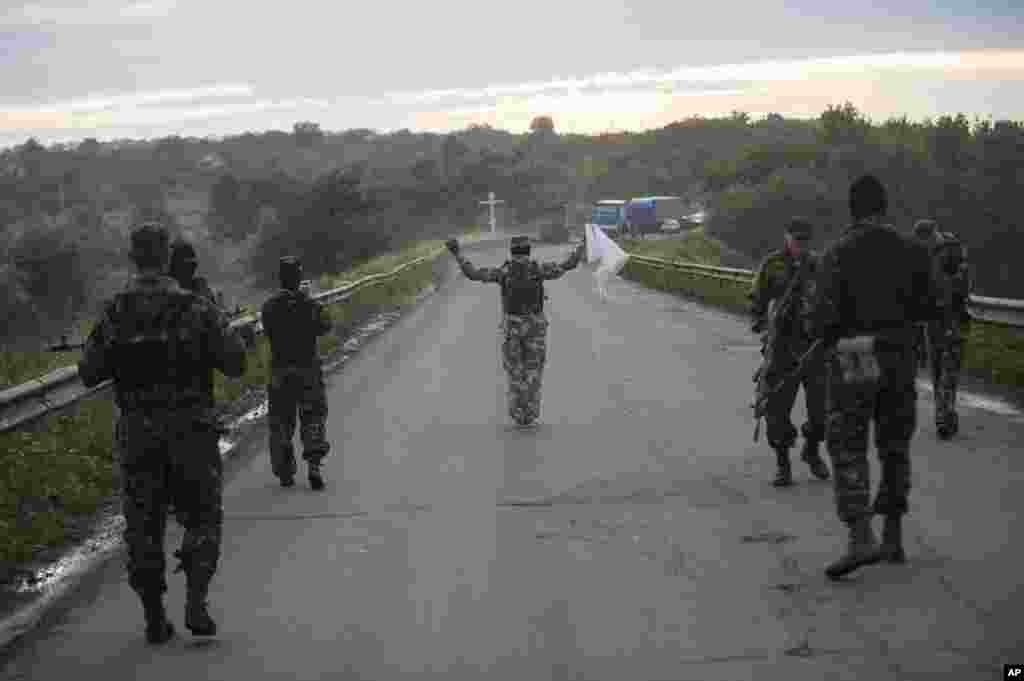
<point x="491" y="203"/>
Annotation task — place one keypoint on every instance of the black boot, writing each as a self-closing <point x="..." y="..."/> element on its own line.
<point x="783" y="472"/>
<point x="316" y="477"/>
<point x="197" y="617"/>
<point x="158" y="628"/>
<point x="948" y="427"/>
<point x="812" y="457"/>
<point x="861" y="551"/>
<point x="892" y="540"/>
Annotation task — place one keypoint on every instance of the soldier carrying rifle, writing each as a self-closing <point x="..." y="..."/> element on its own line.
<point x="785" y="284"/>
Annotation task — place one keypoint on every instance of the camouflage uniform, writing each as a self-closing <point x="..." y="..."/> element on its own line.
<point x="771" y="284"/>
<point x="947" y="335"/>
<point x="292" y="321"/>
<point x="524" y="346"/>
<point x="876" y="283"/>
<point x="160" y="344"/>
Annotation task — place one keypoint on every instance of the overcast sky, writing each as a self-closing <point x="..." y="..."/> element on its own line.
<point x="152" y="68"/>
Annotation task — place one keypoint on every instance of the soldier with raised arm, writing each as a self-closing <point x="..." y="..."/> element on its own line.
<point x="524" y="347"/>
<point x="293" y="321"/>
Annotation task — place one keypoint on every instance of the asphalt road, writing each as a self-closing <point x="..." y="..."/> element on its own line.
<point x="634" y="536"/>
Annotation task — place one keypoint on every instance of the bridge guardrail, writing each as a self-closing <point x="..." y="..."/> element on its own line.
<point x="33" y="399"/>
<point x="24" y="403"/>
<point x="1002" y="311"/>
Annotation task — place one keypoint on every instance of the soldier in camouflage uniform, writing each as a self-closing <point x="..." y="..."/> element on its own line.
<point x="160" y="343"/>
<point x="772" y="283"/>
<point x="292" y="321"/>
<point x="524" y="350"/>
<point x="184" y="263"/>
<point x="874" y="286"/>
<point x="947" y="335"/>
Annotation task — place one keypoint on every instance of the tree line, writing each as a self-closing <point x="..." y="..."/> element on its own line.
<point x="336" y="198"/>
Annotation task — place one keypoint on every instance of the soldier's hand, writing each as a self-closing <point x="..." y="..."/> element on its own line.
<point x="452" y="246"/>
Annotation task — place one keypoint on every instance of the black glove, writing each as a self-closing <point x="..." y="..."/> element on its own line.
<point x="452" y="246"/>
<point x="757" y="326"/>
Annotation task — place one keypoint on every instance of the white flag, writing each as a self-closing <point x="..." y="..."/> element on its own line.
<point x="607" y="254"/>
<point x="603" y="251"/>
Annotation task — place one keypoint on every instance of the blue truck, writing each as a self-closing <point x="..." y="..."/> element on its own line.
<point x="652" y="214"/>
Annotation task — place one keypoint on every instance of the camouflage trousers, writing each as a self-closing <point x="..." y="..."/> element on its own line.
<point x="296" y="391"/>
<point x="779" y="425"/>
<point x="946" y="341"/>
<point x="170" y="458"/>
<point x="524" y="353"/>
<point x="890" y="402"/>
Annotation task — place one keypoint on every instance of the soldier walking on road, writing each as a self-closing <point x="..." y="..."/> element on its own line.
<point x="874" y="285"/>
<point x="524" y="351"/>
<point x="786" y="277"/>
<point x="183" y="269"/>
<point x="292" y="321"/>
<point x="160" y="343"/>
<point x="946" y="336"/>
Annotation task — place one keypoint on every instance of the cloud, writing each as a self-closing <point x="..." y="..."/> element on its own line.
<point x="728" y="76"/>
<point x="92" y="14"/>
<point x="163" y="107"/>
<point x="882" y="84"/>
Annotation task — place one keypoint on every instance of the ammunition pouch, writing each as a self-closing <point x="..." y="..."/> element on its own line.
<point x="857" y="360"/>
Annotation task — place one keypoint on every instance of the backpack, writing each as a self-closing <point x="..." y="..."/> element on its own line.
<point x="522" y="288"/>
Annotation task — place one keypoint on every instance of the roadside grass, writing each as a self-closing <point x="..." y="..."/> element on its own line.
<point x="19" y="366"/>
<point x="727" y="294"/>
<point x="691" y="246"/>
<point x="61" y="470"/>
<point x="995" y="353"/>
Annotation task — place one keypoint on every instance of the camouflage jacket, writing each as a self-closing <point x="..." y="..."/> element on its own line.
<point x="773" y="279"/>
<point x="951" y="271"/>
<point x="497" y="275"/>
<point x="873" y="280"/>
<point x="160" y="344"/>
<point x="292" y="321"/>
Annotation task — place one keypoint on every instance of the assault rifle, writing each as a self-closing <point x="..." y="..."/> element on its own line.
<point x="764" y="391"/>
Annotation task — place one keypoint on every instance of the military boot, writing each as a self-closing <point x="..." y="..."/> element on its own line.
<point x="158" y="628"/>
<point x="783" y="472"/>
<point x="892" y="540"/>
<point x="862" y="550"/>
<point x="197" y="617"/>
<point x="949" y="426"/>
<point x="316" y="478"/>
<point x="812" y="457"/>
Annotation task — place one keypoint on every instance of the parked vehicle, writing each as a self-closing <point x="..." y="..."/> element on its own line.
<point x="610" y="216"/>
<point x="647" y="215"/>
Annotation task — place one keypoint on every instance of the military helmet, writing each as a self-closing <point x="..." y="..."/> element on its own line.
<point x="800" y="229"/>
<point x="520" y="245"/>
<point x="150" y="243"/>
<point x="925" y="229"/>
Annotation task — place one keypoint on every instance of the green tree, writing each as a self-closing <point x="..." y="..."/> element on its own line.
<point x="307" y="134"/>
